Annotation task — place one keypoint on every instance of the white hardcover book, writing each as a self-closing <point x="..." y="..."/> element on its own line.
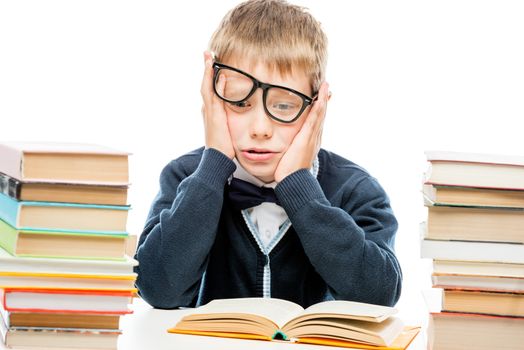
<point x="472" y="251"/>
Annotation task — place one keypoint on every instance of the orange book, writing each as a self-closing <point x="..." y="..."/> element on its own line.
<point x="338" y="323"/>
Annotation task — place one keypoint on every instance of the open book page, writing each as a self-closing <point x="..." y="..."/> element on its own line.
<point x="400" y="343"/>
<point x="347" y="309"/>
<point x="277" y="310"/>
<point x="383" y="333"/>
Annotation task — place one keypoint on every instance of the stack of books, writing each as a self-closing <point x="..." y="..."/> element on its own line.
<point x="65" y="278"/>
<point x="475" y="236"/>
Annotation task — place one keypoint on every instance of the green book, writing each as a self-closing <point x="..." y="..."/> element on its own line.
<point x="60" y="244"/>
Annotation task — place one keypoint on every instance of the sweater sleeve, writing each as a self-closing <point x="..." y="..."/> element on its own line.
<point x="180" y="231"/>
<point x="351" y="246"/>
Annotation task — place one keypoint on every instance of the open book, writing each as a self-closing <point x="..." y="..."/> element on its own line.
<point x="340" y="323"/>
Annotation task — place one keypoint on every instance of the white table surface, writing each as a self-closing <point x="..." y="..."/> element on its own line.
<point x="146" y="328"/>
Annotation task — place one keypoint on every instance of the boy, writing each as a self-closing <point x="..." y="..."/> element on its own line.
<point x="262" y="210"/>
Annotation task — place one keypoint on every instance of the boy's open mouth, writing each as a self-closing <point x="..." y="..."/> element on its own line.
<point x="258" y="154"/>
<point x="258" y="151"/>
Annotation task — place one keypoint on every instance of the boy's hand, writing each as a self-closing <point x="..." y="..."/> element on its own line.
<point x="306" y="144"/>
<point x="215" y="118"/>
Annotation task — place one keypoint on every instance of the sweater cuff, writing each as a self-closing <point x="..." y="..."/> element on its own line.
<point x="297" y="189"/>
<point x="214" y="168"/>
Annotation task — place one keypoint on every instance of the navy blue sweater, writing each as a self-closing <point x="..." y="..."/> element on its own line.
<point x="195" y="248"/>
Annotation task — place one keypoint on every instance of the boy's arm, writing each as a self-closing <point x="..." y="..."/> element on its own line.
<point x="350" y="247"/>
<point x="180" y="231"/>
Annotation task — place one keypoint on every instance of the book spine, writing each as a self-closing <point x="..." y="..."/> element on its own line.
<point x="11" y="161"/>
<point x="10" y="186"/>
<point x="9" y="209"/>
<point x="3" y="302"/>
<point x="8" y="238"/>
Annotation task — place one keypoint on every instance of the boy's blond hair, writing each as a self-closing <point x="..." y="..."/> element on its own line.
<point x="275" y="33"/>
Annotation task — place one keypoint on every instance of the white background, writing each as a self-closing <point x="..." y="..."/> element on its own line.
<point x="406" y="76"/>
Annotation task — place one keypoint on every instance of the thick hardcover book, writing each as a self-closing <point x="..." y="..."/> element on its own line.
<point x="66" y="301"/>
<point x="63" y="338"/>
<point x="475" y="224"/>
<point x="459" y="331"/>
<point x="63" y="216"/>
<point x="57" y="244"/>
<point x="60" y="320"/>
<point x="472" y="251"/>
<point x="64" y="163"/>
<point x="483" y="302"/>
<point x="63" y="193"/>
<point x="475" y="170"/>
<point x="340" y="323"/>
<point x="473" y="197"/>
<point x="66" y="281"/>
<point x="124" y="268"/>
<point x="493" y="252"/>
<point x="472" y="268"/>
<point x="478" y="282"/>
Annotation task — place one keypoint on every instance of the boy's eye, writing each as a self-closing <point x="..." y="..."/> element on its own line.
<point x="241" y="104"/>
<point x="283" y="106"/>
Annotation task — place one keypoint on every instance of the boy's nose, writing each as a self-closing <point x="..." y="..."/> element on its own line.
<point x="261" y="125"/>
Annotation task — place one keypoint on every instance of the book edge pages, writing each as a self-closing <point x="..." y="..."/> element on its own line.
<point x="62" y="148"/>
<point x="402" y="342"/>
<point x="474" y="158"/>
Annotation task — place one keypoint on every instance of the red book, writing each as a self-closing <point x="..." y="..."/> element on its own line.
<point x="66" y="301"/>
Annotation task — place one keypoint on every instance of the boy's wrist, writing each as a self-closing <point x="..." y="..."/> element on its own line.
<point x="215" y="167"/>
<point x="297" y="189"/>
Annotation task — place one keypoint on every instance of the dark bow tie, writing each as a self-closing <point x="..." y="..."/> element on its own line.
<point x="243" y="194"/>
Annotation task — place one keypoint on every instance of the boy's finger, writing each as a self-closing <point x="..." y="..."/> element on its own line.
<point x="207" y="80"/>
<point x="318" y="111"/>
<point x="322" y="103"/>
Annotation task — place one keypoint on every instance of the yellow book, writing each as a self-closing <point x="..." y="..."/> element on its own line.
<point x="338" y="323"/>
<point x="43" y="280"/>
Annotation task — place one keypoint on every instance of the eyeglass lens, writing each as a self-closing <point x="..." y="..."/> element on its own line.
<point x="280" y="103"/>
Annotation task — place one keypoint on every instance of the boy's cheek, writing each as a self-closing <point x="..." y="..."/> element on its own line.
<point x="234" y="128"/>
<point x="292" y="131"/>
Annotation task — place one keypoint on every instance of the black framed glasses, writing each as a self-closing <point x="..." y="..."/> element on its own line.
<point x="281" y="103"/>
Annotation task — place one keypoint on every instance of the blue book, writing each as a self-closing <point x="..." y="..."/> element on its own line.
<point x="66" y="217"/>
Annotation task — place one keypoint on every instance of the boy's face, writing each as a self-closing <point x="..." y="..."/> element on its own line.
<point x="259" y="141"/>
